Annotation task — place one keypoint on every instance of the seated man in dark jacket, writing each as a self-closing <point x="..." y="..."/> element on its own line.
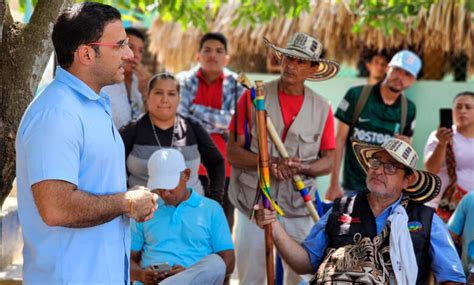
<point x="383" y="235"/>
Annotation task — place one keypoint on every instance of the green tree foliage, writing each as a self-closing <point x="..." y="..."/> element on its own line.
<point x="387" y="15"/>
<point x="258" y="11"/>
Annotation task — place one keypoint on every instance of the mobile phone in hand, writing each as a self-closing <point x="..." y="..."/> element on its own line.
<point x="446" y="118"/>
<point x="161" y="267"/>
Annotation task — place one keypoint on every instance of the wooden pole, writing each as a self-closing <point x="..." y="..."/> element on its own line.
<point x="297" y="180"/>
<point x="264" y="174"/>
<point x="269" y="255"/>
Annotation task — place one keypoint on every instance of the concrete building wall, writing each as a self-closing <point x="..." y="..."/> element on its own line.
<point x="428" y="96"/>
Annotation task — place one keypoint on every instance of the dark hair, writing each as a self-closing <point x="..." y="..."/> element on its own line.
<point x="464" y="93"/>
<point x="382" y="53"/>
<point x="161" y="76"/>
<point x="213" y="36"/>
<point x="136" y="33"/>
<point x="80" y="24"/>
<point x="366" y="56"/>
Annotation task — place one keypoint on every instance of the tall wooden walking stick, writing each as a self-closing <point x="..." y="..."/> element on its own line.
<point x="297" y="180"/>
<point x="264" y="176"/>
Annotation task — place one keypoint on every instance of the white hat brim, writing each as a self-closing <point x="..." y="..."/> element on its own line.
<point x="166" y="182"/>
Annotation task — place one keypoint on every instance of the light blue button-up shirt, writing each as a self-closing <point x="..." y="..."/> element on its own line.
<point x="462" y="224"/>
<point x="67" y="134"/>
<point x="445" y="263"/>
<point x="182" y="235"/>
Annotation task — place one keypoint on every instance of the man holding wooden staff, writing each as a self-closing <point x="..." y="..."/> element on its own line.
<point x="304" y="122"/>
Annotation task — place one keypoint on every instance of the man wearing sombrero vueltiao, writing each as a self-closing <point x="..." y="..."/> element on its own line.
<point x="304" y="121"/>
<point x="384" y="235"/>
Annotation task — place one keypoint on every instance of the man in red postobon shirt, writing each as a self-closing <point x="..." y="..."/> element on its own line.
<point x="209" y="93"/>
<point x="304" y="121"/>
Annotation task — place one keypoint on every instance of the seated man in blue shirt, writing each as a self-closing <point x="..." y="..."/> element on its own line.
<point x="461" y="227"/>
<point x="188" y="231"/>
<point x="383" y="235"/>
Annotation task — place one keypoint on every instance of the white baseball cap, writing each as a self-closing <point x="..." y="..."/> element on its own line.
<point x="164" y="169"/>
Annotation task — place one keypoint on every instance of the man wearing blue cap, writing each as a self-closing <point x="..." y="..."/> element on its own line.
<point x="373" y="114"/>
<point x="188" y="241"/>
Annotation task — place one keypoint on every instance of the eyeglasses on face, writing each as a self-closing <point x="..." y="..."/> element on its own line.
<point x="388" y="167"/>
<point x="121" y="44"/>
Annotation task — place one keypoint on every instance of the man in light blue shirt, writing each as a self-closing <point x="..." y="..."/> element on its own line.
<point x="188" y="233"/>
<point x="461" y="226"/>
<point x="73" y="206"/>
<point x="381" y="236"/>
<point x="441" y="251"/>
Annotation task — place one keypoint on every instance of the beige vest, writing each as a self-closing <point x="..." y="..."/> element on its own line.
<point x="302" y="140"/>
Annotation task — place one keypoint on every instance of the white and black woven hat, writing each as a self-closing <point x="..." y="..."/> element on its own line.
<point x="426" y="185"/>
<point x="305" y="47"/>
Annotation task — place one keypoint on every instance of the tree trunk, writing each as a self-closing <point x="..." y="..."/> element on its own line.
<point x="25" y="51"/>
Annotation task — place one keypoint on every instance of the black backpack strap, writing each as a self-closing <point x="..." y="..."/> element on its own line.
<point x="403" y="117"/>
<point x="364" y="96"/>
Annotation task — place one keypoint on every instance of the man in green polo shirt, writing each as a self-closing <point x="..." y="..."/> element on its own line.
<point x="379" y="120"/>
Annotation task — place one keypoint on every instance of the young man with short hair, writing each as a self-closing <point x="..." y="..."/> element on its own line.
<point x="376" y="65"/>
<point x="126" y="97"/>
<point x="209" y="93"/>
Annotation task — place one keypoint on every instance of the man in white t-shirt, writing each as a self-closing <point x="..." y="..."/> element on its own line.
<point x="126" y="98"/>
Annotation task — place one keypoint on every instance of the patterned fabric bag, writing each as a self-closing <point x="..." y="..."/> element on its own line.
<point x="453" y="193"/>
<point x="367" y="261"/>
<point x="451" y="198"/>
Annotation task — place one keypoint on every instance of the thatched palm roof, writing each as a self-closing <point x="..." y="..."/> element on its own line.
<point x="446" y="29"/>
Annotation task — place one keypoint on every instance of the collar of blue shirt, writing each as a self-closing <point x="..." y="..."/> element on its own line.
<point x="78" y="85"/>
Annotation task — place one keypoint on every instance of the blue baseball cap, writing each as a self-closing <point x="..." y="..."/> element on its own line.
<point x="407" y="61"/>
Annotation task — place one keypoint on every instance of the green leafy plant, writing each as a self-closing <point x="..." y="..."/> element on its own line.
<point x="387" y="15"/>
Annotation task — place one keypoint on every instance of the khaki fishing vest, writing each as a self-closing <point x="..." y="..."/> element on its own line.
<point x="302" y="140"/>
